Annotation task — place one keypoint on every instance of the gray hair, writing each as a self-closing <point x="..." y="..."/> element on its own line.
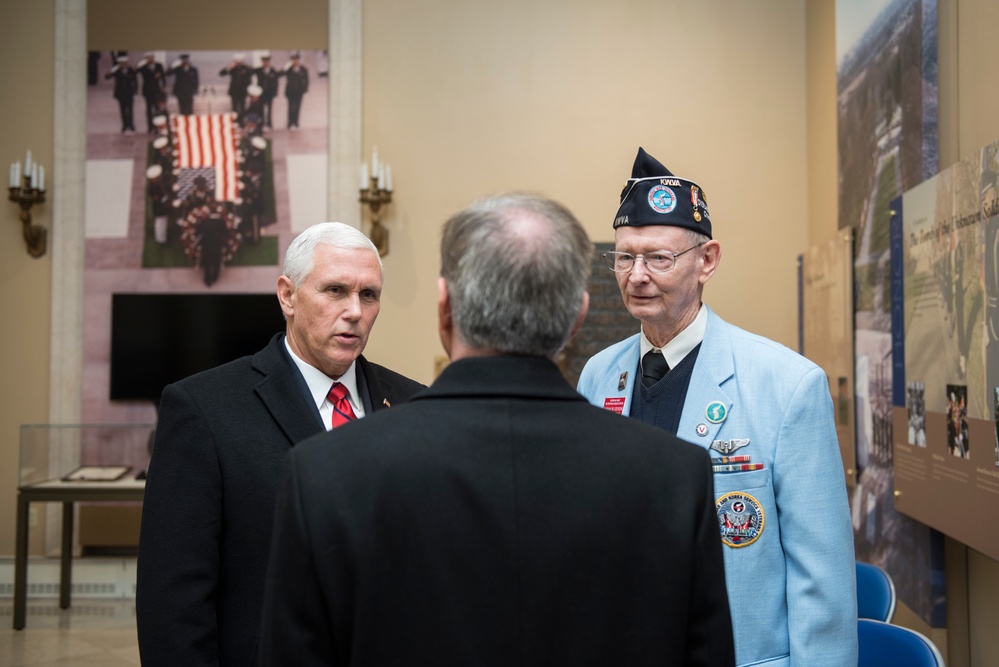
<point x="696" y="238"/>
<point x="300" y="255"/>
<point x="516" y="267"/>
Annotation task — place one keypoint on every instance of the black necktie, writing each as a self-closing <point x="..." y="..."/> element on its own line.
<point x="654" y="367"/>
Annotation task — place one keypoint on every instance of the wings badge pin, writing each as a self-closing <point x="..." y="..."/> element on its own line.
<point x="726" y="447"/>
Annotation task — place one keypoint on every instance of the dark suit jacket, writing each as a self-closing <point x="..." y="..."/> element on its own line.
<point x="206" y="519"/>
<point x="496" y="519"/>
<point x="125" y="83"/>
<point x="185" y="82"/>
<point x="153" y="80"/>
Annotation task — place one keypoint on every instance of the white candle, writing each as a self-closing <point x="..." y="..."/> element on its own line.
<point x="34" y="174"/>
<point x="27" y="164"/>
<point x="374" y="161"/>
<point x="388" y="178"/>
<point x="381" y="177"/>
<point x="365" y="180"/>
<point x="41" y="178"/>
<point x="17" y="174"/>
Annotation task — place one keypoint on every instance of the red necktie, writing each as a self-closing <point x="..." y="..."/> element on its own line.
<point x="342" y="412"/>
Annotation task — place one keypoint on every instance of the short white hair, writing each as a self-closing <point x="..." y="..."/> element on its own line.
<point x="298" y="260"/>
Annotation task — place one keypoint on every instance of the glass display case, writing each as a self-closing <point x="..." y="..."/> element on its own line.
<point x="51" y="454"/>
<point x="68" y="464"/>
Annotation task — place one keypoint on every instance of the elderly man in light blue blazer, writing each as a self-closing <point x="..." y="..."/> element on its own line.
<point x="765" y="413"/>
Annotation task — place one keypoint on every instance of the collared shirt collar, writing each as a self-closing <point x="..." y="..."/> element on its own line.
<point x="684" y="342"/>
<point x="320" y="383"/>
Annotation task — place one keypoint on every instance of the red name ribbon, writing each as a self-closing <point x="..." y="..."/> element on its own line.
<point x="615" y="404"/>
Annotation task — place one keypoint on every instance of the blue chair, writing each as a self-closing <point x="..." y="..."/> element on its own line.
<point x="885" y="645"/>
<point x="875" y="593"/>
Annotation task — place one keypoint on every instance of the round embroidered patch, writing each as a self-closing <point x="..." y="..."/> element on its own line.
<point x="740" y="518"/>
<point x="662" y="199"/>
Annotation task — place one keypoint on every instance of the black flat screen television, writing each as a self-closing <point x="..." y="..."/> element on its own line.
<point x="157" y="339"/>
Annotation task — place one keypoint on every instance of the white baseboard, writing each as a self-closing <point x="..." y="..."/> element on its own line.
<point x="93" y="577"/>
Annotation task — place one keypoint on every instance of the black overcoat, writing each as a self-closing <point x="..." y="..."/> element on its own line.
<point x="210" y="494"/>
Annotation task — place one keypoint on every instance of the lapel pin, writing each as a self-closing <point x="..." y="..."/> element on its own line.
<point x="716" y="412"/>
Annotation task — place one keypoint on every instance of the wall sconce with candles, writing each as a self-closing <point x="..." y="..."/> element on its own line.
<point x="27" y="188"/>
<point x="376" y="191"/>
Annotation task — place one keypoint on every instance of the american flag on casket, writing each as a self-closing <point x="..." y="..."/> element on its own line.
<point x="209" y="141"/>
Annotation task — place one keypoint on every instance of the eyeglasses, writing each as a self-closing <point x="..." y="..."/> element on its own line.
<point x="659" y="261"/>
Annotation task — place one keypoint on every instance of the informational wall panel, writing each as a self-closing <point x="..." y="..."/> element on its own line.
<point x="827" y="303"/>
<point x="946" y="440"/>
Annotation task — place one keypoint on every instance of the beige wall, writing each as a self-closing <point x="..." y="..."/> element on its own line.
<point x="480" y="97"/>
<point x="470" y="98"/>
<point x="26" y="48"/>
<point x="475" y="97"/>
<point x="820" y="59"/>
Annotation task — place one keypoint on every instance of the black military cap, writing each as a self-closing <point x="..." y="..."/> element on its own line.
<point x="654" y="196"/>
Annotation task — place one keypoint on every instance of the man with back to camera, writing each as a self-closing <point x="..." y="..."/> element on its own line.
<point x="221" y="436"/>
<point x="763" y="412"/>
<point x="498" y="519"/>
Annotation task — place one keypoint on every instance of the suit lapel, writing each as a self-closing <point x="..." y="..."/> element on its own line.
<point x="374" y="393"/>
<point x="707" y="404"/>
<point x="622" y="379"/>
<point x="283" y="393"/>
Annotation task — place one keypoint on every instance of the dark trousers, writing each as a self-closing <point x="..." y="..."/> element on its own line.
<point x="267" y="102"/>
<point x="294" y="107"/>
<point x="186" y="103"/>
<point x="150" y="111"/>
<point x="127" y="123"/>
<point x="238" y="106"/>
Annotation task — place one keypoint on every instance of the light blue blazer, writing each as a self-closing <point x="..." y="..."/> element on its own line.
<point x="792" y="591"/>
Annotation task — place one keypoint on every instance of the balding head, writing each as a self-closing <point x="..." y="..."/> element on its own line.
<point x="516" y="268"/>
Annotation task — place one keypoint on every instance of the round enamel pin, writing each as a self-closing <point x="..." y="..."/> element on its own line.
<point x="740" y="518"/>
<point x="662" y="199"/>
<point x="716" y="412"/>
<point x="702" y="430"/>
